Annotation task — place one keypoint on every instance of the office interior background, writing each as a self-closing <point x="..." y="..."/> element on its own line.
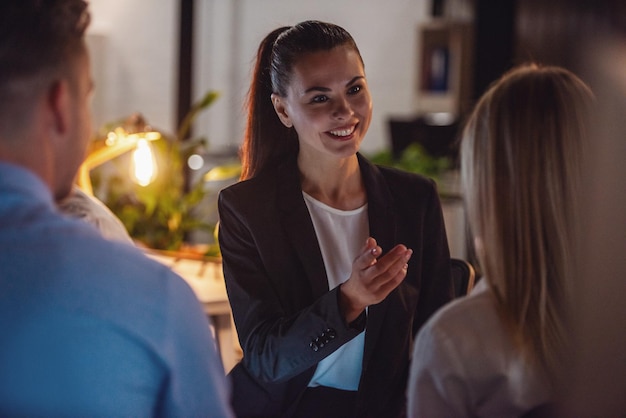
<point x="158" y="56"/>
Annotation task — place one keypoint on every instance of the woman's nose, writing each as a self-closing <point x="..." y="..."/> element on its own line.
<point x="342" y="109"/>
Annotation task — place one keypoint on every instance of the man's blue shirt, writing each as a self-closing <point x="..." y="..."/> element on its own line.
<point x="90" y="327"/>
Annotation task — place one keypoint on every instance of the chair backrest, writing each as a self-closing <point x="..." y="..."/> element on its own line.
<point x="463" y="276"/>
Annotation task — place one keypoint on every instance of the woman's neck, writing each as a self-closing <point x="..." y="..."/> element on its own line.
<point x="337" y="183"/>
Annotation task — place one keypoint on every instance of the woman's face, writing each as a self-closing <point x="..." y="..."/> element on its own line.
<point x="328" y="103"/>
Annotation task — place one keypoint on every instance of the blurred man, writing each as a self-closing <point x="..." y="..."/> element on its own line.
<point x="88" y="327"/>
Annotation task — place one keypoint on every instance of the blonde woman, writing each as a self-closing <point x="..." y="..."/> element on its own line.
<point x="496" y="352"/>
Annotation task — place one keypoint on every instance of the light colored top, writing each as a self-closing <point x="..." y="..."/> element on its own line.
<point x="90" y="327"/>
<point x="466" y="365"/>
<point x="91" y="210"/>
<point x="341" y="235"/>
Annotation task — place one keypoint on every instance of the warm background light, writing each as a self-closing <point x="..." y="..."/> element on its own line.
<point x="143" y="168"/>
<point x="133" y="134"/>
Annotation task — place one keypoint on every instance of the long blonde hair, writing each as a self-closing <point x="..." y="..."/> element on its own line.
<point x="521" y="165"/>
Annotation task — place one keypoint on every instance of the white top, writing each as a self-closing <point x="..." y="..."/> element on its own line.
<point x="91" y="210"/>
<point x="341" y="235"/>
<point x="465" y="364"/>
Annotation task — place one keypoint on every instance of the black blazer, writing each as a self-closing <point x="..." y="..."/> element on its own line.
<point x="287" y="320"/>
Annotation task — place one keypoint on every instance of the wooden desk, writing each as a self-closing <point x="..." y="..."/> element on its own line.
<point x="207" y="281"/>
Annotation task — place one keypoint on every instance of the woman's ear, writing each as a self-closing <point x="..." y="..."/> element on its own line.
<point x="281" y="111"/>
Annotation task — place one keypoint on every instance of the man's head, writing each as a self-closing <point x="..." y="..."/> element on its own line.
<point x="45" y="86"/>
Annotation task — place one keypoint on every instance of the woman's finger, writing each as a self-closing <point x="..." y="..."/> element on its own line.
<point x="398" y="255"/>
<point x="369" y="253"/>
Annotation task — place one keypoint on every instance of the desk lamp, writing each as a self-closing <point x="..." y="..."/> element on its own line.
<point x="132" y="134"/>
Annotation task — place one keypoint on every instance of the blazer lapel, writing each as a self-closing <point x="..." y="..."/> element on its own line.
<point x="380" y="205"/>
<point x="382" y="228"/>
<point x="299" y="227"/>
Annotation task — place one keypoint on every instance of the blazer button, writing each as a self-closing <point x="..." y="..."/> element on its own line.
<point x="331" y="333"/>
<point x="319" y="342"/>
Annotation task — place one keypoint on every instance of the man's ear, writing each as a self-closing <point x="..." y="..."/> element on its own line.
<point x="59" y="107"/>
<point x="281" y="111"/>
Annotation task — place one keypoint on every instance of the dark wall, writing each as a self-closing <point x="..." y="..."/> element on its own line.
<point x="494" y="41"/>
<point x="511" y="32"/>
<point x="185" y="59"/>
<point x="555" y="32"/>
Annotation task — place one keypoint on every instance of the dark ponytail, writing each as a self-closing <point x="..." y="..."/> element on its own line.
<point x="264" y="131"/>
<point x="267" y="141"/>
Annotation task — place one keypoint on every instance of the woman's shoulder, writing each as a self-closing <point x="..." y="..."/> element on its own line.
<point x="396" y="175"/>
<point x="466" y="342"/>
<point x="464" y="338"/>
<point x="262" y="194"/>
<point x="250" y="189"/>
<point x="410" y="190"/>
<point x="466" y="318"/>
<point x="396" y="178"/>
<point x="403" y="175"/>
<point x="246" y="198"/>
<point x="273" y="176"/>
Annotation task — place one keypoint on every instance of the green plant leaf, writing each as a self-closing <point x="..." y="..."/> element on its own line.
<point x="414" y="158"/>
<point x="161" y="214"/>
<point x="196" y="108"/>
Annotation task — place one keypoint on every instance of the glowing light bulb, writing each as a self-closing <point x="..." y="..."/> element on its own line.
<point x="195" y="162"/>
<point x="143" y="168"/>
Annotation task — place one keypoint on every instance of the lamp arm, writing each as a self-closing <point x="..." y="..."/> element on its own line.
<point x="98" y="158"/>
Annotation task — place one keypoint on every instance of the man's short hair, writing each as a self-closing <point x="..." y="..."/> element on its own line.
<point x="39" y="34"/>
<point x="37" y="39"/>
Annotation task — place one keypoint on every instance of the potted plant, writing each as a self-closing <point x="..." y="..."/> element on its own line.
<point x="160" y="215"/>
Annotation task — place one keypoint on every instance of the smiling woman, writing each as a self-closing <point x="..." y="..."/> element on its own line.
<point x="329" y="105"/>
<point x="321" y="247"/>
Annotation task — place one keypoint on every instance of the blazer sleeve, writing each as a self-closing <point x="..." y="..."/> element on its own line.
<point x="280" y="339"/>
<point x="436" y="287"/>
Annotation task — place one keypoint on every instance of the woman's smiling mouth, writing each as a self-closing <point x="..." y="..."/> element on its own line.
<point x="343" y="133"/>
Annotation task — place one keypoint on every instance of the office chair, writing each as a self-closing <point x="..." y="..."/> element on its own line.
<point x="463" y="276"/>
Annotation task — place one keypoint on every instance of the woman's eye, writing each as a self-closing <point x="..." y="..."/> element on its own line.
<point x="354" y="89"/>
<point x="319" y="99"/>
